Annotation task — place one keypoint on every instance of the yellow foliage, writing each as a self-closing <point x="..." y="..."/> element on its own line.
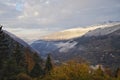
<point x="70" y="71"/>
<point x="77" y="71"/>
<point x="29" y="60"/>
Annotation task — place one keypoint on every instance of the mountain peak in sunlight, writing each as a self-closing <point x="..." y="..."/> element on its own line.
<point x="75" y="32"/>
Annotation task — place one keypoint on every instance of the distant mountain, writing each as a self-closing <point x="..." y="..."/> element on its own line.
<point x="98" y="46"/>
<point x="74" y="32"/>
<point x="102" y="31"/>
<point x="44" y="46"/>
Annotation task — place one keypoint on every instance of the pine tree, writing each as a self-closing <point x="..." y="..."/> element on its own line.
<point x="117" y="73"/>
<point x="36" y="71"/>
<point x="37" y="58"/>
<point x="48" y="65"/>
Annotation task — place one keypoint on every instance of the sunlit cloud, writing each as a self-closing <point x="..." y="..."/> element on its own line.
<point x="47" y="16"/>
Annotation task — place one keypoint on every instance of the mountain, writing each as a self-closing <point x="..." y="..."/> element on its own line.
<point x="98" y="46"/>
<point x="19" y="41"/>
<point x="74" y="32"/>
<point x="13" y="49"/>
<point x="102" y="31"/>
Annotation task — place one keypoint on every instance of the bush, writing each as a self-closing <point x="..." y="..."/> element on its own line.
<point x="70" y="71"/>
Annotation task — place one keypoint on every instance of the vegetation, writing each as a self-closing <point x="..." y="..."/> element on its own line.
<point x="78" y="71"/>
<point x="21" y="65"/>
<point x="48" y="65"/>
<point x="36" y="71"/>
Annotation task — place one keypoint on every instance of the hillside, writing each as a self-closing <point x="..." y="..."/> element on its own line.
<point x="99" y="46"/>
<point x="101" y="49"/>
<point x="16" y="56"/>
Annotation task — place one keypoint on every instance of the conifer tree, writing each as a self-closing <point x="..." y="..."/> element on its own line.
<point x="37" y="58"/>
<point x="36" y="71"/>
<point x="48" y="65"/>
<point x="117" y="73"/>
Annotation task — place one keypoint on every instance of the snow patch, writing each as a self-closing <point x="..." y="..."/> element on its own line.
<point x="64" y="47"/>
<point x="103" y="30"/>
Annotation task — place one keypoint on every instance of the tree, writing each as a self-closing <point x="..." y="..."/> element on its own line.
<point x="10" y="70"/>
<point x="37" y="58"/>
<point x="29" y="61"/>
<point x="70" y="71"/>
<point x="117" y="73"/>
<point x="48" y="65"/>
<point x="36" y="71"/>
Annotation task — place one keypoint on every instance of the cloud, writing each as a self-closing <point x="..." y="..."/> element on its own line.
<point x="27" y="34"/>
<point x="54" y="15"/>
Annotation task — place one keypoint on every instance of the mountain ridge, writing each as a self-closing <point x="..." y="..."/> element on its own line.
<point x="14" y="37"/>
<point x="75" y="32"/>
<point x="16" y="46"/>
<point x="91" y="48"/>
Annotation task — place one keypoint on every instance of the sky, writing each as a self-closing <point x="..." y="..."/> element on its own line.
<point x="31" y="19"/>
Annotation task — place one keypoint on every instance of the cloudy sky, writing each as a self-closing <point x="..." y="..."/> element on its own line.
<point x="36" y="18"/>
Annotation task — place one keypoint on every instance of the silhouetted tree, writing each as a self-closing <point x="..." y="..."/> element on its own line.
<point x="37" y="58"/>
<point x="48" y="65"/>
<point x="36" y="71"/>
<point x="117" y="73"/>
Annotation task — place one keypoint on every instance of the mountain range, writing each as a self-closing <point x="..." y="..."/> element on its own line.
<point x="96" y="44"/>
<point x="75" y="32"/>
